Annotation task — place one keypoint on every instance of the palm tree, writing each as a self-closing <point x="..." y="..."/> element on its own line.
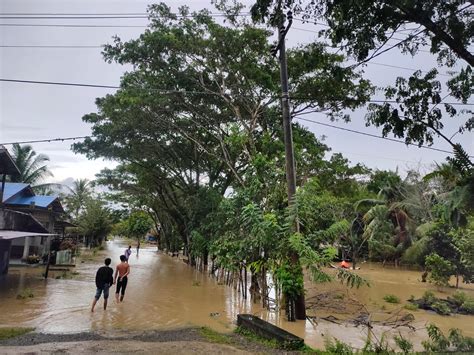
<point x="32" y="166"/>
<point x="79" y="194"/>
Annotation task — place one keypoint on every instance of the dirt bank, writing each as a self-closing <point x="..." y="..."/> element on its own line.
<point x="179" y="341"/>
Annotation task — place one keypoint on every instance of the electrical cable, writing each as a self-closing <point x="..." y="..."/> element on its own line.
<point x="373" y="135"/>
<point x="165" y="91"/>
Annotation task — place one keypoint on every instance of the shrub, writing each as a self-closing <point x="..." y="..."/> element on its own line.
<point x="459" y="298"/>
<point x="455" y="342"/>
<point x="337" y="347"/>
<point x="428" y="298"/>
<point x="411" y="306"/>
<point x="24" y="294"/>
<point x="441" y="308"/>
<point x="404" y="344"/>
<point x="468" y="306"/>
<point x="391" y="299"/>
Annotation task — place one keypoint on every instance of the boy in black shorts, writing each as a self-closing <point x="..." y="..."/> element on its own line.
<point x="103" y="281"/>
<point x="121" y="271"/>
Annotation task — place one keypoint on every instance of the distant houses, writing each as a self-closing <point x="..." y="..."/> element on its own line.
<point x="27" y="221"/>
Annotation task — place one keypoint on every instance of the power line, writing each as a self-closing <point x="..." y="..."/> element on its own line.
<point x="47" y="140"/>
<point x="373" y="135"/>
<point x="72" y="17"/>
<point x="167" y="91"/>
<point x="71" y="26"/>
<point x="49" y="46"/>
<point x="60" y="83"/>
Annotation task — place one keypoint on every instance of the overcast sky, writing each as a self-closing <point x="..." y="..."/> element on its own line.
<point x="31" y="112"/>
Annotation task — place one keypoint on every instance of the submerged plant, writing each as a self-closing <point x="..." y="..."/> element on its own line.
<point x="391" y="299"/>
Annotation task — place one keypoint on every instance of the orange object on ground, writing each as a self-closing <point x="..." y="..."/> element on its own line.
<point x="345" y="264"/>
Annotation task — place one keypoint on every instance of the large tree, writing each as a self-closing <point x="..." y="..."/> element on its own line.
<point x="198" y="116"/>
<point x="365" y="29"/>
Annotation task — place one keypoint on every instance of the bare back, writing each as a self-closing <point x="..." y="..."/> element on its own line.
<point x="122" y="269"/>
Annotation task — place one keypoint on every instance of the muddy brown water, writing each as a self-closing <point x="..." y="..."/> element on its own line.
<point x="164" y="292"/>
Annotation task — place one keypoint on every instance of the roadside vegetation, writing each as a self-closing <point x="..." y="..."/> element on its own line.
<point x="7" y="333"/>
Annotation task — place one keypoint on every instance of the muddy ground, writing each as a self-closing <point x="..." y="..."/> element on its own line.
<point x="179" y="341"/>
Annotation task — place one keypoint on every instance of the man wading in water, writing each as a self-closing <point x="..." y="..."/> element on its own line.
<point x="103" y="280"/>
<point x="128" y="252"/>
<point x="122" y="270"/>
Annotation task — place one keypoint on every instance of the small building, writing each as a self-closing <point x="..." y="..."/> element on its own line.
<point x="14" y="225"/>
<point x="45" y="209"/>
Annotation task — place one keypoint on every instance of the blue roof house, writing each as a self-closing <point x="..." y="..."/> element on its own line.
<point x="45" y="209"/>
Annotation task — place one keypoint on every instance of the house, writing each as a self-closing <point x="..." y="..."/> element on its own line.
<point x="14" y="225"/>
<point x="45" y="209"/>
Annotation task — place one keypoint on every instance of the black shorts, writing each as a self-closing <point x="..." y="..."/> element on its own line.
<point x="121" y="285"/>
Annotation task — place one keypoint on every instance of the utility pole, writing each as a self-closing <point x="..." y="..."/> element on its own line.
<point x="299" y="311"/>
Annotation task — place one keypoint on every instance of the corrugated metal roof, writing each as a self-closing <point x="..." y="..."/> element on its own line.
<point x="13" y="188"/>
<point x="7" y="165"/>
<point x="39" y="201"/>
<point x="19" y="234"/>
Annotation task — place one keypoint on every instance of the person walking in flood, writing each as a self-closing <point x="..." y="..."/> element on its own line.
<point x="103" y="281"/>
<point x="128" y="252"/>
<point x="121" y="271"/>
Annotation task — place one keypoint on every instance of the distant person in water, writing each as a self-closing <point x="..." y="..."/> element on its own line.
<point x="121" y="272"/>
<point x="138" y="246"/>
<point x="103" y="281"/>
<point x="127" y="253"/>
<point x="345" y="264"/>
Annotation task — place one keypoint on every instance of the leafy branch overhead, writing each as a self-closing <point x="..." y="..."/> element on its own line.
<point x="366" y="29"/>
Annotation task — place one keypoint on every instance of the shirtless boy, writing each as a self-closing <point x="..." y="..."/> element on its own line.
<point x="121" y="271"/>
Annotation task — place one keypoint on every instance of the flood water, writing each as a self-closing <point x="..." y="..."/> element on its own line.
<point x="163" y="292"/>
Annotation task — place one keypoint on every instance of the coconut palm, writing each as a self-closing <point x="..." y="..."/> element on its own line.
<point x="80" y="193"/>
<point x="32" y="166"/>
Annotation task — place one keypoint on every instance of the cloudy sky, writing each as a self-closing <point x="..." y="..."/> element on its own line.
<point x="35" y="112"/>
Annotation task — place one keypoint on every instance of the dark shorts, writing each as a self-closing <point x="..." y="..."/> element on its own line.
<point x="121" y="285"/>
<point x="104" y="289"/>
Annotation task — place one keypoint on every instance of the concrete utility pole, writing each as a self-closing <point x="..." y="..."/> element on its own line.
<point x="300" y="307"/>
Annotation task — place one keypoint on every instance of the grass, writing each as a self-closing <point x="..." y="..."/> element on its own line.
<point x="411" y="307"/>
<point x="254" y="337"/>
<point x="25" y="293"/>
<point x="7" y="333"/>
<point x="391" y="299"/>
<point x="214" y="337"/>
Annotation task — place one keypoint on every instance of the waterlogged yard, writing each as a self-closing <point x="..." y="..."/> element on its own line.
<point x="165" y="293"/>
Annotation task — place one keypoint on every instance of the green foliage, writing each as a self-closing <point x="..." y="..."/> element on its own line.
<point x="468" y="306"/>
<point x="138" y="224"/>
<point x="428" y="297"/>
<point x="411" y="307"/>
<point x="272" y="344"/>
<point x="404" y="344"/>
<point x="78" y="196"/>
<point x="25" y="293"/>
<point x="363" y="28"/>
<point x="455" y="341"/>
<point x="94" y="223"/>
<point x="337" y="347"/>
<point x="8" y="333"/>
<point x="441" y="269"/>
<point x="391" y="299"/>
<point x="214" y="337"/>
<point x="380" y="179"/>
<point x="460" y="297"/>
<point x="290" y="279"/>
<point x="441" y="308"/>
<point x="32" y="166"/>
<point x="351" y="279"/>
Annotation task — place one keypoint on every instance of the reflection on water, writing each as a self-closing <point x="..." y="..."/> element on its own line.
<point x="163" y="292"/>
